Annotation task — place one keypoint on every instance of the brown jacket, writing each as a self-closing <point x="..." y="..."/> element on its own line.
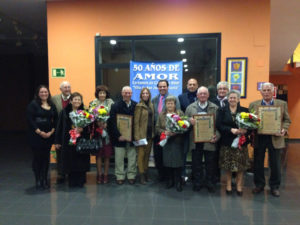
<point x="277" y="141"/>
<point x="141" y="120"/>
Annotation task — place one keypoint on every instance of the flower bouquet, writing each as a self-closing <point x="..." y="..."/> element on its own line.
<point x="80" y="118"/>
<point x="175" y="124"/>
<point x="100" y="113"/>
<point x="248" y="121"/>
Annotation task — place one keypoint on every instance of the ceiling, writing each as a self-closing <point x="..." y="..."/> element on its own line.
<point x="23" y="29"/>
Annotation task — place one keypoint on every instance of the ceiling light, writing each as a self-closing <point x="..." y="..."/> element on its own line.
<point x="184" y="60"/>
<point x="185" y="65"/>
<point x="180" y="39"/>
<point x="186" y="70"/>
<point x="113" y="42"/>
<point x="182" y="52"/>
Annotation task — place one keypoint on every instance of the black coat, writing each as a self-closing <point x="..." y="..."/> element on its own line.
<point x="186" y="99"/>
<point x="119" y="107"/>
<point x="39" y="118"/>
<point x="71" y="160"/>
<point x="225" y="123"/>
<point x="217" y="102"/>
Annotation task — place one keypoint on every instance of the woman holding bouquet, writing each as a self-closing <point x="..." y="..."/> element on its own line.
<point x="42" y="117"/>
<point x="173" y="149"/>
<point x="144" y="131"/>
<point x="232" y="159"/>
<point x="74" y="164"/>
<point x="99" y="130"/>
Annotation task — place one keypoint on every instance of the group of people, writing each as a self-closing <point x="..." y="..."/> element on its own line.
<point x="50" y="123"/>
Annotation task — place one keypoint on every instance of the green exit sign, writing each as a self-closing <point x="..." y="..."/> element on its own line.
<point x="58" y="72"/>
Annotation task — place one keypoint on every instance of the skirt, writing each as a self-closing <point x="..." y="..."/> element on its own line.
<point x="234" y="159"/>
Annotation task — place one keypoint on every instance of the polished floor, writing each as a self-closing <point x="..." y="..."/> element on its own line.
<point x="137" y="204"/>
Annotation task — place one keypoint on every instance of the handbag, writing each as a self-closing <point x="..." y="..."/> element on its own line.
<point x="88" y="146"/>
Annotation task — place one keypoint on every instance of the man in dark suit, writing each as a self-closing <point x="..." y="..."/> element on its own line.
<point x="274" y="143"/>
<point x="61" y="101"/>
<point x="185" y="100"/>
<point x="159" y="106"/>
<point x="221" y="101"/>
<point x="122" y="145"/>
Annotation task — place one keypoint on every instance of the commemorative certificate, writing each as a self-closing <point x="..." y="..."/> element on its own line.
<point x="124" y="124"/>
<point x="204" y="128"/>
<point x="270" y="120"/>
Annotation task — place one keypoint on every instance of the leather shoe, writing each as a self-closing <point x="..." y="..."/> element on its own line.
<point x="228" y="192"/>
<point x="257" y="190"/>
<point x="275" y="192"/>
<point x="131" y="181"/>
<point x="120" y="182"/>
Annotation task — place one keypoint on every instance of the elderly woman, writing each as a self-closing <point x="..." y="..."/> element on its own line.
<point x="102" y="99"/>
<point x="42" y="117"/>
<point x="232" y="159"/>
<point x="173" y="149"/>
<point x="144" y="130"/>
<point x="74" y="164"/>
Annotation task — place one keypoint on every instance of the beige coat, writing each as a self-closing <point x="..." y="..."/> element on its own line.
<point x="56" y="99"/>
<point x="192" y="110"/>
<point x="277" y="141"/>
<point x="141" y="120"/>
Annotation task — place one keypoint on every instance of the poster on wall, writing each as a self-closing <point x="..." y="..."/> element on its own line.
<point x="147" y="74"/>
<point x="236" y="74"/>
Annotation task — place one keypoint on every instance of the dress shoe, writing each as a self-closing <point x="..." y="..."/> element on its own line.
<point x="239" y="193"/>
<point x="120" y="182"/>
<point x="105" y="179"/>
<point x="131" y="181"/>
<point x="179" y="187"/>
<point x="275" y="192"/>
<point x="228" y="192"/>
<point x="257" y="190"/>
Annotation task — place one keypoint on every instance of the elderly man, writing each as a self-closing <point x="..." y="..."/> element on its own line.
<point x="274" y="143"/>
<point x="61" y="101"/>
<point x="159" y="106"/>
<point x="122" y="145"/>
<point x="185" y="100"/>
<point x="221" y="99"/>
<point x="202" y="106"/>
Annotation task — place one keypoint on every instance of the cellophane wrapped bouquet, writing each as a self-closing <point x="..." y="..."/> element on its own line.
<point x="175" y="124"/>
<point x="80" y="118"/>
<point x="248" y="121"/>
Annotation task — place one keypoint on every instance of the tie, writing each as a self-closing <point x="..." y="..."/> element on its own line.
<point x="160" y="104"/>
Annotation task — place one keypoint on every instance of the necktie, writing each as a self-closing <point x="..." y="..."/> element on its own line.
<point x="160" y="104"/>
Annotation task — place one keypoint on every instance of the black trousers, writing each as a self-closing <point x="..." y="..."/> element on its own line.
<point x="40" y="162"/>
<point x="59" y="163"/>
<point x="265" y="141"/>
<point x="173" y="174"/>
<point x="203" y="176"/>
<point x="158" y="157"/>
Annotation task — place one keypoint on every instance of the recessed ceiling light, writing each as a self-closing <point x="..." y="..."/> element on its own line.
<point x="185" y="65"/>
<point x="184" y="60"/>
<point x="113" y="42"/>
<point x="186" y="70"/>
<point x="182" y="52"/>
<point x="180" y="39"/>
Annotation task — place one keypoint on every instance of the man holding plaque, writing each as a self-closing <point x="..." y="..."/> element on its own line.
<point x="275" y="122"/>
<point x="159" y="106"/>
<point x="121" y="132"/>
<point x="203" y="138"/>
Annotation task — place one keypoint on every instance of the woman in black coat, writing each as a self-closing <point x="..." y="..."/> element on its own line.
<point x="74" y="164"/>
<point x="232" y="159"/>
<point x="41" y="115"/>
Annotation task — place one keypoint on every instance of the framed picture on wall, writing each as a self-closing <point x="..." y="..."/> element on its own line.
<point x="236" y="74"/>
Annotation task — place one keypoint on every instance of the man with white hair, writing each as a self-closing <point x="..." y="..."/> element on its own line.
<point x="202" y="150"/>
<point x="123" y="146"/>
<point x="61" y="101"/>
<point x="221" y="99"/>
<point x="274" y="143"/>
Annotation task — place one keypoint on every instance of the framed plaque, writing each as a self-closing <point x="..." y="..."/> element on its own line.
<point x="204" y="128"/>
<point x="270" y="119"/>
<point x="124" y="124"/>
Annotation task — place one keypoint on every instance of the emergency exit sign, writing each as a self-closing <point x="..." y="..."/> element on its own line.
<point x="58" y="72"/>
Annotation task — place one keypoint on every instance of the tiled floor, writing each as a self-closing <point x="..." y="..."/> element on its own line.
<point x="111" y="204"/>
